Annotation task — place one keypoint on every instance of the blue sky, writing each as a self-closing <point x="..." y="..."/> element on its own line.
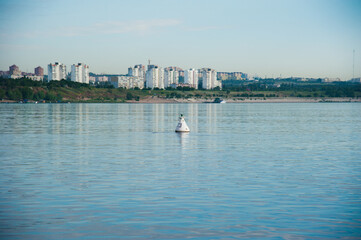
<point x="306" y="38"/>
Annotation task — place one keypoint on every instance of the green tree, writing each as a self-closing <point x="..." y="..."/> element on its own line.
<point x="50" y="97"/>
<point x="27" y="93"/>
<point x="59" y="97"/>
<point x="2" y="93"/>
<point x="40" y="95"/>
<point x="15" y="94"/>
<point x="129" y="96"/>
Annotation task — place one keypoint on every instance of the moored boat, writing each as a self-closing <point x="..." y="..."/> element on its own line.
<point x="219" y="100"/>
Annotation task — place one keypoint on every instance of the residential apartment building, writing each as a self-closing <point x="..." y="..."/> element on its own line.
<point x="174" y="68"/>
<point x="209" y="79"/>
<point x="80" y="73"/>
<point x="191" y="77"/>
<point x="35" y="77"/>
<point x="137" y="71"/>
<point x="56" y="71"/>
<point x="154" y="77"/>
<point x="14" y="70"/>
<point x="127" y="82"/>
<point x="13" y="73"/>
<point x="171" y="76"/>
<point x="99" y="79"/>
<point x="232" y="76"/>
<point x="331" y="80"/>
<point x="39" y="71"/>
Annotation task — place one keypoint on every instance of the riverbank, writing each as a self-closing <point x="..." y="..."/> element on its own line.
<point x="156" y="99"/>
<point x="25" y="90"/>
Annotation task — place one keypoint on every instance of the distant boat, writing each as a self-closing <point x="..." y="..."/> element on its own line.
<point x="182" y="125"/>
<point x="219" y="100"/>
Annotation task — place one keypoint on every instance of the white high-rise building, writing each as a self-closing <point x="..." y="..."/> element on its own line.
<point x="155" y="77"/>
<point x="209" y="77"/>
<point x="191" y="77"/>
<point x="171" y="76"/>
<point x="56" y="71"/>
<point x="80" y="73"/>
<point x="137" y="71"/>
<point x="127" y="82"/>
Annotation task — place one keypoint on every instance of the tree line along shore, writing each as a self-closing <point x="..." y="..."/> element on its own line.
<point x="26" y="90"/>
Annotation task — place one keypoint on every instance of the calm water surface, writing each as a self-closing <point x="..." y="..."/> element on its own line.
<point x="262" y="171"/>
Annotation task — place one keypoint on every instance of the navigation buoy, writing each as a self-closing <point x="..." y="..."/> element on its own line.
<point x="182" y="125"/>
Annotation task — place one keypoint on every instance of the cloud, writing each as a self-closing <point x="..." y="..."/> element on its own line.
<point x="140" y="27"/>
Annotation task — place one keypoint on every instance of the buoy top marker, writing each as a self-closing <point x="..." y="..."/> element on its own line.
<point x="182" y="125"/>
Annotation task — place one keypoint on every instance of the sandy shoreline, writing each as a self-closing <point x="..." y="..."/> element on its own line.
<point x="155" y="99"/>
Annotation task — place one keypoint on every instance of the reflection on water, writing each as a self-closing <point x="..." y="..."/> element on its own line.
<point x="183" y="139"/>
<point x="211" y="119"/>
<point x="74" y="171"/>
<point x="76" y="118"/>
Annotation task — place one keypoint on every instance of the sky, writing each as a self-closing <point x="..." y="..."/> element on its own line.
<point x="265" y="38"/>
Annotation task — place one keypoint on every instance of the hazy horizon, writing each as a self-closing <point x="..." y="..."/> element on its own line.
<point x="266" y="38"/>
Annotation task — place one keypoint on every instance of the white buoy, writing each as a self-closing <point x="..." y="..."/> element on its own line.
<point x="182" y="125"/>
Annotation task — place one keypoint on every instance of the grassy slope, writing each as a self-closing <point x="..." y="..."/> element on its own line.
<point x="74" y="92"/>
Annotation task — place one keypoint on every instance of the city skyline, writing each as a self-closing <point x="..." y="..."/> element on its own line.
<point x="264" y="38"/>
